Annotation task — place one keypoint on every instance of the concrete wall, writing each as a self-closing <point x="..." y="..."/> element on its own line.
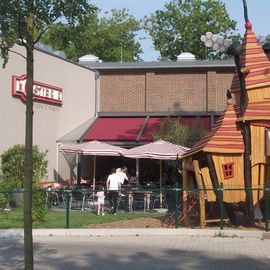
<point x="50" y="122"/>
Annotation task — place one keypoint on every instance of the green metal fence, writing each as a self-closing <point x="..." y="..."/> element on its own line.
<point x="169" y="207"/>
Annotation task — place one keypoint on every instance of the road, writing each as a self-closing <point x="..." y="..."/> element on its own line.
<point x="138" y="252"/>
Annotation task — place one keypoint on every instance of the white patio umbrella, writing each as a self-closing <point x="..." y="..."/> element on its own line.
<point x="161" y="150"/>
<point x="92" y="148"/>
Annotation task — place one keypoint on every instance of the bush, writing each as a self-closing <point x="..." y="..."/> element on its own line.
<point x="3" y="201"/>
<point x="172" y="131"/>
<point x="13" y="174"/>
<point x="196" y="132"/>
<point x="13" y="169"/>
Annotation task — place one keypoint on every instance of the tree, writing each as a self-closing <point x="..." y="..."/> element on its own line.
<point x="24" y="22"/>
<point x="111" y="38"/>
<point x="180" y="25"/>
<point x="196" y="132"/>
<point x="172" y="131"/>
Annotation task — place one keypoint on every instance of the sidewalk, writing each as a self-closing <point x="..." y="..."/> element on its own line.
<point x="138" y="232"/>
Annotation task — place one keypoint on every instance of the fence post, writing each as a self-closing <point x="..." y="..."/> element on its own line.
<point x="266" y="208"/>
<point x="221" y="207"/>
<point x="176" y="205"/>
<point x="67" y="208"/>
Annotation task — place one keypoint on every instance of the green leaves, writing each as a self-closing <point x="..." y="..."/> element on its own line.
<point x="12" y="166"/>
<point x="16" y="28"/>
<point x="111" y="38"/>
<point x="179" y="26"/>
<point x="172" y="131"/>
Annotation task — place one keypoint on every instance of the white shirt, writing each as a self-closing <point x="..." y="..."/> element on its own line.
<point x="113" y="182"/>
<point x="122" y="175"/>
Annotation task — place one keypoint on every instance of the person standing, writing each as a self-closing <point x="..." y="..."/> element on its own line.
<point x="113" y="186"/>
<point x="100" y="200"/>
<point x="122" y="174"/>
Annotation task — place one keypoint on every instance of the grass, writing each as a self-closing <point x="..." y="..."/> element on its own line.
<point x="57" y="219"/>
<point x="11" y="219"/>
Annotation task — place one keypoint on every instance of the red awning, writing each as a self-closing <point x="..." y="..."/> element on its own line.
<point x="152" y="125"/>
<point x="115" y="129"/>
<point x="133" y="129"/>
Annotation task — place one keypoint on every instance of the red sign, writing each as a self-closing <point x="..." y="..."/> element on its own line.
<point x="41" y="91"/>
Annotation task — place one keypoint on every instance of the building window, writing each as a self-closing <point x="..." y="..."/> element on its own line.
<point x="228" y="170"/>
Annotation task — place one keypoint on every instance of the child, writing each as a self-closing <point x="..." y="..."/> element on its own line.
<point x="101" y="198"/>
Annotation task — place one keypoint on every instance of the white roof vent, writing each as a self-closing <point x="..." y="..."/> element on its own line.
<point x="89" y="58"/>
<point x="186" y="56"/>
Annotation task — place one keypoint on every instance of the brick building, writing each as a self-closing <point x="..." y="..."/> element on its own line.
<point x="199" y="86"/>
<point x="133" y="98"/>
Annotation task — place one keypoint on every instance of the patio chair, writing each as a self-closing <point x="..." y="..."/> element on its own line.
<point x="89" y="201"/>
<point x="76" y="199"/>
<point x="52" y="198"/>
<point x="121" y="200"/>
<point x="157" y="200"/>
<point x="139" y="201"/>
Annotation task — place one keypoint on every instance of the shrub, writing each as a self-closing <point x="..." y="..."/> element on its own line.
<point x="172" y="131"/>
<point x="13" y="169"/>
<point x="13" y="174"/>
<point x="3" y="201"/>
<point x="196" y="132"/>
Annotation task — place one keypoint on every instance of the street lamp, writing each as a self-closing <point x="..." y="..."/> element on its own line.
<point x="216" y="42"/>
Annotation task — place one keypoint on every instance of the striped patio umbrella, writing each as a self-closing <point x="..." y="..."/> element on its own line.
<point x="92" y="148"/>
<point x="161" y="150"/>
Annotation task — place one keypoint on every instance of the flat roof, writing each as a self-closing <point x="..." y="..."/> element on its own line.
<point x="160" y="64"/>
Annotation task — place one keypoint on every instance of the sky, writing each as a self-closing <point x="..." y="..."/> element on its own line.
<point x="258" y="12"/>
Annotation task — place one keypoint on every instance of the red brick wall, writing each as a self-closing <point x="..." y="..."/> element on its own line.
<point x="156" y="91"/>
<point x="176" y="92"/>
<point x="122" y="92"/>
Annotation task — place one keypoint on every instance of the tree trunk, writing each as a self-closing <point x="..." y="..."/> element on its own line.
<point x="28" y="162"/>
<point x="247" y="151"/>
<point x="247" y="174"/>
<point x="213" y="175"/>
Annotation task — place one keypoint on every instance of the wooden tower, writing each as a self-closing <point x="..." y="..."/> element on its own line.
<point x="236" y="152"/>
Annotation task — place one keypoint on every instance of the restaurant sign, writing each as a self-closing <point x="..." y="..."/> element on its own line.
<point x="41" y="91"/>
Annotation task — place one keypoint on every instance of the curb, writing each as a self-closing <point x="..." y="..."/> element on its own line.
<point x="18" y="233"/>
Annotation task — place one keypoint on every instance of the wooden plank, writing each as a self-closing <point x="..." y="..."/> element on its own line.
<point x="185" y="186"/>
<point x="211" y="197"/>
<point x="258" y="94"/>
<point x="258" y="160"/>
<point x="216" y="220"/>
<point x="201" y="193"/>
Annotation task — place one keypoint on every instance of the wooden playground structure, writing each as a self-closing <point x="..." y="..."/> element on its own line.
<point x="235" y="154"/>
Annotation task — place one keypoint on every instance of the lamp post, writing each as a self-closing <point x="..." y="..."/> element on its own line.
<point x="216" y="42"/>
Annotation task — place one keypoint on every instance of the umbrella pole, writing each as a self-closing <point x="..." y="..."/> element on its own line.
<point x="94" y="173"/>
<point x="137" y="171"/>
<point x="160" y="184"/>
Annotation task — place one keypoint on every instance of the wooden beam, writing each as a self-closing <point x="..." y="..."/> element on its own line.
<point x="185" y="187"/>
<point x="201" y="193"/>
<point x="213" y="175"/>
